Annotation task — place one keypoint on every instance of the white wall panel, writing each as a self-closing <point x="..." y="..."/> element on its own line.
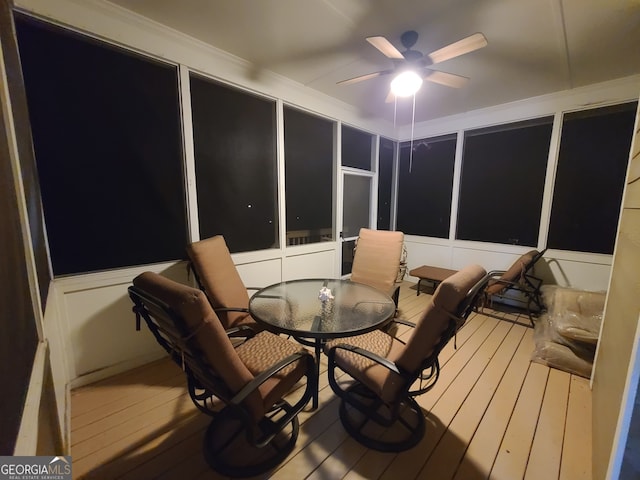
<point x="585" y="276"/>
<point x="59" y="358"/>
<point x="312" y="265"/>
<point x="489" y="259"/>
<point x="260" y="274"/>
<point x="420" y="253"/>
<point x="100" y="314"/>
<point x="99" y="325"/>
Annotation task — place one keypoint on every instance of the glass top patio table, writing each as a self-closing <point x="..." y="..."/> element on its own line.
<point x="298" y="308"/>
<point x="311" y="314"/>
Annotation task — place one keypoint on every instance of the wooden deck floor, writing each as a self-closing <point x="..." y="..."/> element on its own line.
<point x="492" y="414"/>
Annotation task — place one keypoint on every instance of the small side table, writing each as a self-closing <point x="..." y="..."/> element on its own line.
<point x="435" y="275"/>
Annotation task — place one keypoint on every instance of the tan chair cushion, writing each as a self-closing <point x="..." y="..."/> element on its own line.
<point x="367" y="371"/>
<point x="220" y="279"/>
<point x="377" y="258"/>
<point x="265" y="350"/>
<point x="513" y="274"/>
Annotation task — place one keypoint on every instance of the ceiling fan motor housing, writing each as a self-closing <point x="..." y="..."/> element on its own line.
<point x="409" y="39"/>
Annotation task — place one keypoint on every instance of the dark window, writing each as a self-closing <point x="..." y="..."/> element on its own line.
<point x="347" y="256"/>
<point x="356" y="148"/>
<point x="425" y="185"/>
<point x="592" y="164"/>
<point x="385" y="182"/>
<point x="236" y="173"/>
<point x="107" y="139"/>
<point x="502" y="182"/>
<point x="356" y="204"/>
<point x="308" y="158"/>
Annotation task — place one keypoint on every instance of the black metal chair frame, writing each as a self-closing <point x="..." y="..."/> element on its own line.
<point x="370" y="405"/>
<point x="204" y="387"/>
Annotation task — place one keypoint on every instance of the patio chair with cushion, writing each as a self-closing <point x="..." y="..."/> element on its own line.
<point x="378" y="260"/>
<point x="216" y="275"/>
<point x="242" y="387"/>
<point x="384" y="374"/>
<point x="518" y="278"/>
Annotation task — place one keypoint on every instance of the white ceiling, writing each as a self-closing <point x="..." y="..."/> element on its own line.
<point x="535" y="46"/>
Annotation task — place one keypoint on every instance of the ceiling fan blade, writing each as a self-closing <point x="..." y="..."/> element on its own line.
<point x="466" y="45"/>
<point x="447" y="79"/>
<point x="362" y="78"/>
<point x="385" y="46"/>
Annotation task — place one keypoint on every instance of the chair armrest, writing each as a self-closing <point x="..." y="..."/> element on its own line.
<point x="512" y="283"/>
<point x="399" y="321"/>
<point x="496" y="273"/>
<point x="404" y="322"/>
<point x="389" y="365"/>
<point x="271" y="371"/>
<point x="240" y="331"/>
<point x="253" y="385"/>
<point x="231" y="309"/>
<point x="494" y="276"/>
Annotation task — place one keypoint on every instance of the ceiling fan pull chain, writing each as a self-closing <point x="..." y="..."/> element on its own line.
<point x="395" y="110"/>
<point x="413" y="122"/>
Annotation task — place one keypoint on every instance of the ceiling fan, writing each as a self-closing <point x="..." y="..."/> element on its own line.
<point x="418" y="64"/>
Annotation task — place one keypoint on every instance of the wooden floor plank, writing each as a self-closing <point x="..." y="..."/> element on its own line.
<point x="546" y="452"/>
<point x="511" y="461"/>
<point x="370" y="465"/>
<point x="126" y="440"/>
<point x="445" y="408"/>
<point x="485" y="443"/>
<point x="307" y="460"/>
<point x="126" y="414"/>
<point x="475" y="331"/>
<point x="188" y="450"/>
<point x="459" y="359"/>
<point x="576" y="449"/>
<point x="338" y="464"/>
<point x="131" y="451"/>
<point x="97" y="396"/>
<point x="449" y="452"/>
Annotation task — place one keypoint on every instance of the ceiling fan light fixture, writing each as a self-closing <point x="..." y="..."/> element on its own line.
<point x="406" y="83"/>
